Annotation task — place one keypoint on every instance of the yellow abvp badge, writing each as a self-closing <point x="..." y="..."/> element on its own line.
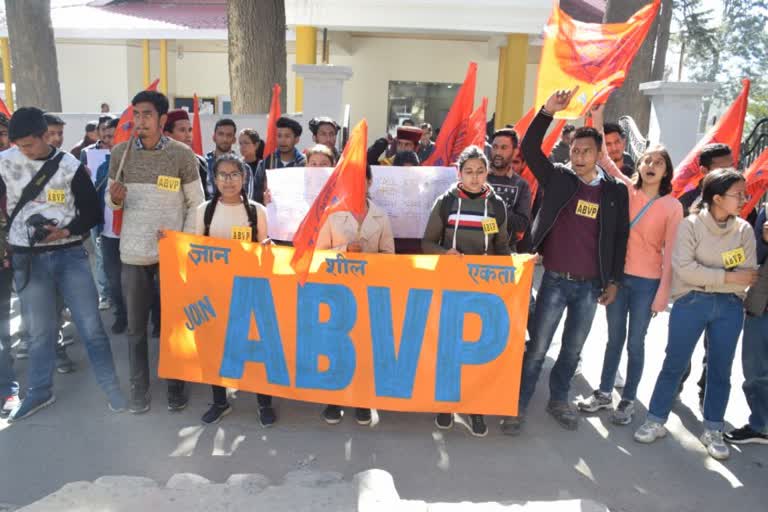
<point x="490" y="227"/>
<point x="734" y="258"/>
<point x="587" y="209"/>
<point x="241" y="233"/>
<point x="168" y="183"/>
<point x="56" y="196"/>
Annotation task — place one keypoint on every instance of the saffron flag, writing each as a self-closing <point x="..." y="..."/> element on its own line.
<point x="125" y="125"/>
<point x="453" y="135"/>
<point x="197" y="134"/>
<point x="757" y="182"/>
<point x="4" y="109"/>
<point x="476" y="130"/>
<point x="270" y="144"/>
<point x="594" y="56"/>
<point x="345" y="190"/>
<point x="728" y="130"/>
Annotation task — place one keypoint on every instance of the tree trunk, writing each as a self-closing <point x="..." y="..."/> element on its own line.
<point x="33" y="53"/>
<point x="257" y="54"/>
<point x="628" y="100"/>
<point x="662" y="41"/>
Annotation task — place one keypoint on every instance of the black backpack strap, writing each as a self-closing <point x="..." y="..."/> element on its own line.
<point x="36" y="185"/>
<point x="446" y="203"/>
<point x="208" y="216"/>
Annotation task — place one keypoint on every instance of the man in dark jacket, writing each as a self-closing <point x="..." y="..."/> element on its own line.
<point x="581" y="231"/>
<point x="754" y="350"/>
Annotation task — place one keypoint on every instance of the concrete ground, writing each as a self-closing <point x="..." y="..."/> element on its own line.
<point x="78" y="439"/>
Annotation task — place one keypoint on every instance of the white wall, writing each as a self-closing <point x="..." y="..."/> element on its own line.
<point x="92" y="73"/>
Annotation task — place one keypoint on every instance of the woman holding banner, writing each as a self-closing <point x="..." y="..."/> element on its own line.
<point x="655" y="215"/>
<point x="229" y="214"/>
<point x="468" y="219"/>
<point x="371" y="233"/>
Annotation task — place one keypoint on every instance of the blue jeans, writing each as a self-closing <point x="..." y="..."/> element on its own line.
<point x="99" y="273"/>
<point x="110" y="251"/>
<point x="8" y="384"/>
<point x="721" y="315"/>
<point x="754" y="360"/>
<point x="66" y="271"/>
<point x="555" y="295"/>
<point x="633" y="300"/>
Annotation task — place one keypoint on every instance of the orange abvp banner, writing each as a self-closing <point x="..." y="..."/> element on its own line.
<point x="392" y="332"/>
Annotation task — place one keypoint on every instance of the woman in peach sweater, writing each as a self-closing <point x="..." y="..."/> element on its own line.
<point x="654" y="217"/>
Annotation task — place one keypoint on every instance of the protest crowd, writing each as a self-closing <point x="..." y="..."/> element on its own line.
<point x="609" y="230"/>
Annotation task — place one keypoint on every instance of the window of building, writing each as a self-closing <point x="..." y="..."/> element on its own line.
<point x="420" y="101"/>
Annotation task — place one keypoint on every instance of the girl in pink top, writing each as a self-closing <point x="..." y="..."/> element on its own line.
<point x="654" y="216"/>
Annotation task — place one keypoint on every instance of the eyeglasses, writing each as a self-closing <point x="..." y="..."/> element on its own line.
<point x="227" y="177"/>
<point x="741" y="195"/>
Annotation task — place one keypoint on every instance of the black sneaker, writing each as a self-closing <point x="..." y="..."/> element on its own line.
<point x="22" y="350"/>
<point x="444" y="420"/>
<point x="215" y="413"/>
<point x="119" y="326"/>
<point x="363" y="416"/>
<point x="512" y="425"/>
<point x="333" y="414"/>
<point x="139" y="403"/>
<point x="30" y="406"/>
<point x="64" y="364"/>
<point x="746" y="435"/>
<point x="267" y="416"/>
<point x="177" y="400"/>
<point x="478" y="427"/>
<point x="65" y="338"/>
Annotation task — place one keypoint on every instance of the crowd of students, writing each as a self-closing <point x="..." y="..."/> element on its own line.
<point x="608" y="229"/>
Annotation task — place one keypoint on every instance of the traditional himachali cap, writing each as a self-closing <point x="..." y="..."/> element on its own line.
<point x="26" y="121"/>
<point x="409" y="133"/>
<point x="177" y="114"/>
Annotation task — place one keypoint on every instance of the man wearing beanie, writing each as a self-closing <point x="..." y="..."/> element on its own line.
<point x="179" y="128"/>
<point x="46" y="231"/>
<point x="158" y="188"/>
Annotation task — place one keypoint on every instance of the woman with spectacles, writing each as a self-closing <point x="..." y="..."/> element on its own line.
<point x="714" y="261"/>
<point x="225" y="216"/>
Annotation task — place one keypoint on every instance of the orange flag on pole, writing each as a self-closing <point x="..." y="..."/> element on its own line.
<point x="594" y="56"/>
<point x="728" y="130"/>
<point x="453" y="134"/>
<point x="345" y="190"/>
<point x="197" y="134"/>
<point x="476" y="130"/>
<point x="270" y="144"/>
<point x="757" y="182"/>
<point x="4" y="109"/>
<point x="125" y="125"/>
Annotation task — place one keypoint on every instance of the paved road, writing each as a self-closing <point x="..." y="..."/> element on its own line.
<point x="78" y="439"/>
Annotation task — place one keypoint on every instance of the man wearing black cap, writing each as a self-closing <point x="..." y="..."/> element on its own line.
<point x="286" y="155"/>
<point x="46" y="237"/>
<point x="89" y="138"/>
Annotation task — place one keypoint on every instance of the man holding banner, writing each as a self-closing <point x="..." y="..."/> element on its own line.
<point x="582" y="231"/>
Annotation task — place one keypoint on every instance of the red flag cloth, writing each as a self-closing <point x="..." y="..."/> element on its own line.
<point x="345" y="190"/>
<point x="476" y="129"/>
<point x="757" y="182"/>
<point x="125" y="125"/>
<point x="453" y="134"/>
<point x="522" y="125"/>
<point x="270" y="144"/>
<point x="728" y="130"/>
<point x="4" y="109"/>
<point x="197" y="134"/>
<point x="594" y="56"/>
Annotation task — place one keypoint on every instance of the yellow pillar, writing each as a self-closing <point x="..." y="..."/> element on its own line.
<point x="145" y="61"/>
<point x="5" y="53"/>
<point x="511" y="82"/>
<point x="306" y="53"/>
<point x="164" y="66"/>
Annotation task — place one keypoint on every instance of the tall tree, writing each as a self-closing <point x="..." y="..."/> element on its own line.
<point x="33" y="53"/>
<point x="257" y="54"/>
<point x="723" y="46"/>
<point x="628" y="100"/>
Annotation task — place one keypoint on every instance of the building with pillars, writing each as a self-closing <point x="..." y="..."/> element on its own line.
<point x="406" y="57"/>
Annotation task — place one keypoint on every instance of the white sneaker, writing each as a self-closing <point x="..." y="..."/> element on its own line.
<point x="716" y="447"/>
<point x="619" y="382"/>
<point x="649" y="432"/>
